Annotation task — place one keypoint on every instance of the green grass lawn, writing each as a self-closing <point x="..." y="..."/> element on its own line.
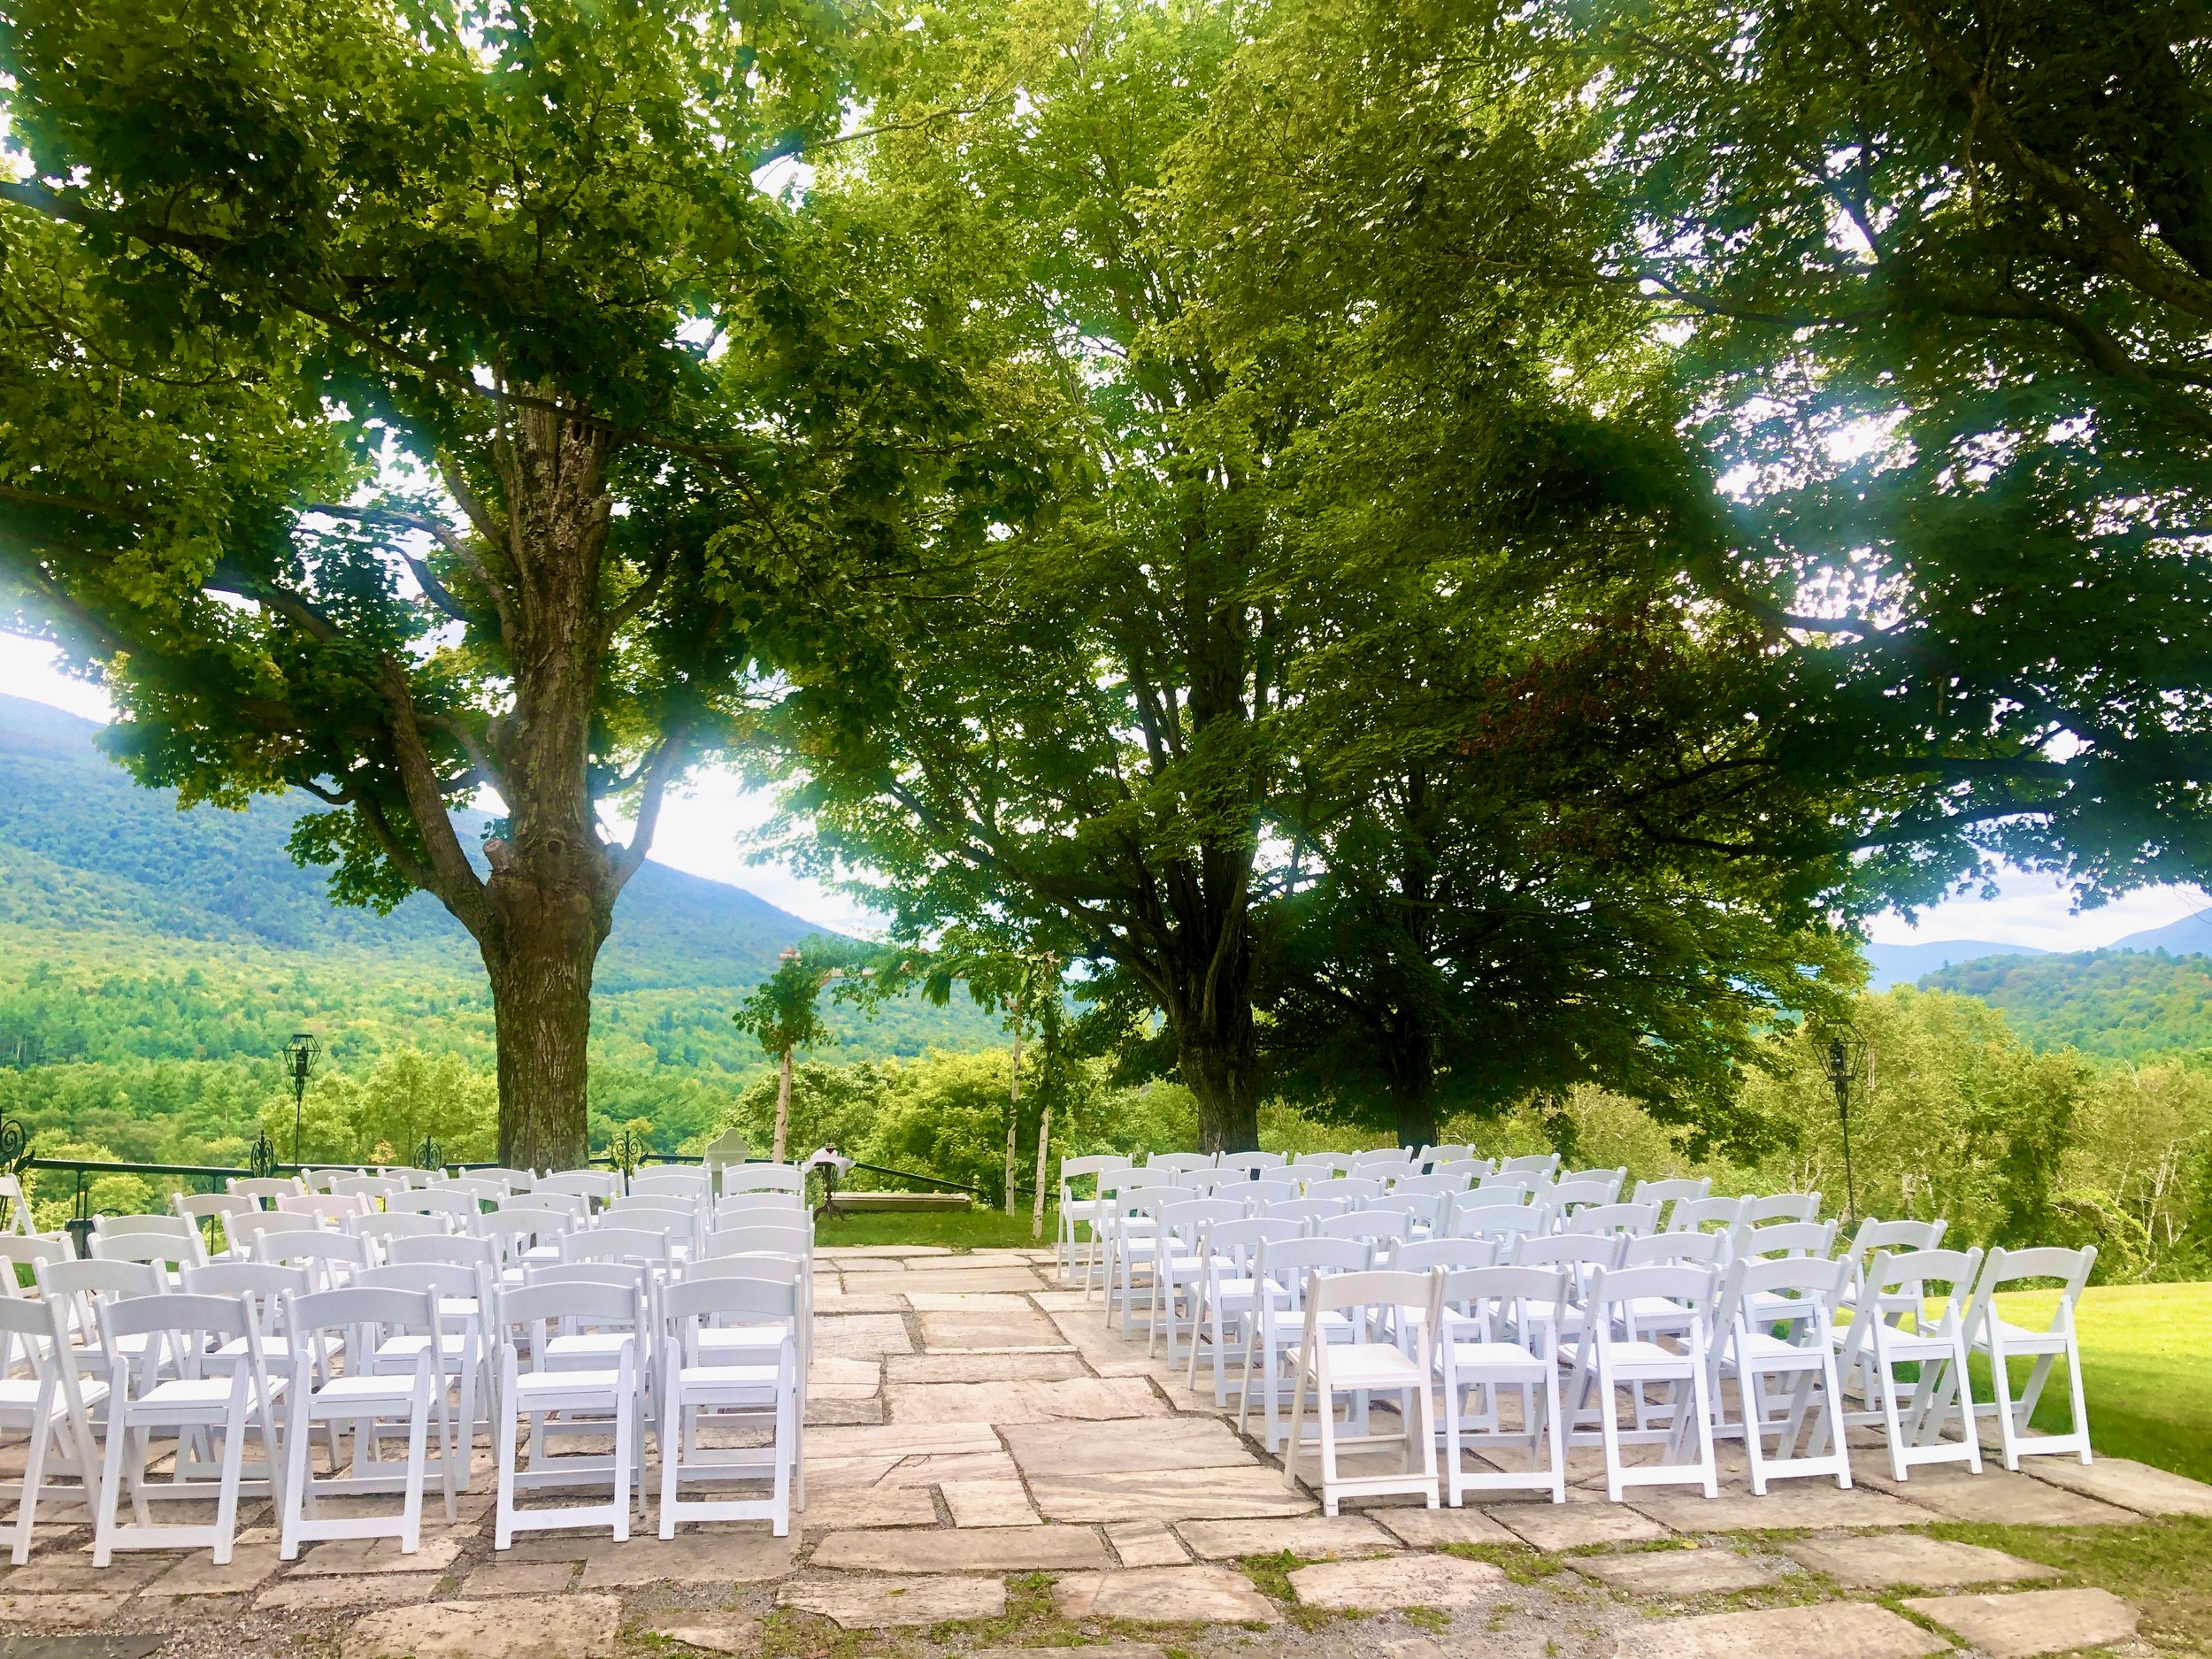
<point x="2145" y="1366"/>
<point x="961" y="1229"/>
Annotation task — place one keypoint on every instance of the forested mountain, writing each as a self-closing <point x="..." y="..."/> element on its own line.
<point x="129" y="930"/>
<point x="2127" y="1004"/>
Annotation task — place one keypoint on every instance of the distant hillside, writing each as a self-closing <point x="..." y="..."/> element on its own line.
<point x="2127" y="1004"/>
<point x="131" y="930"/>
<point x="1904" y="965"/>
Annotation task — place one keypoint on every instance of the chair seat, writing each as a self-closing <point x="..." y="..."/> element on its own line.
<point x="195" y="1394"/>
<point x="2019" y="1340"/>
<point x="715" y="1376"/>
<point x="364" y="1388"/>
<point x="1660" y="1311"/>
<point x="586" y="1345"/>
<point x="1766" y="1350"/>
<point x="1498" y="1358"/>
<point x="532" y="1385"/>
<point x="1644" y="1355"/>
<point x="1771" y="1307"/>
<point x="1372" y="1365"/>
<point x="411" y="1343"/>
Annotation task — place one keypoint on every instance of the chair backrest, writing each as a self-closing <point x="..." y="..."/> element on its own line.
<point x="675" y="1183"/>
<point x="1238" y="1241"/>
<point x="405" y="1225"/>
<point x="1321" y="1165"/>
<point x="456" y="1249"/>
<point x="260" y="1187"/>
<point x="333" y="1208"/>
<point x="1460" y="1205"/>
<point x="167" y="1249"/>
<point x="1543" y="1163"/>
<point x="634" y="1274"/>
<point x="324" y="1254"/>
<point x="1501" y="1222"/>
<point x="1614" y="1178"/>
<point x="1293" y="1264"/>
<point x="1372" y="1289"/>
<point x="539" y="1200"/>
<point x="1381" y="1158"/>
<point x="1306" y="1211"/>
<point x="1473" y="1169"/>
<point x="1705" y="1249"/>
<point x="1430" y="1185"/>
<point x="1513" y="1181"/>
<point x="1816" y="1281"/>
<point x="247" y="1230"/>
<point x="1252" y="1165"/>
<point x="686" y="1302"/>
<point x="1354" y="1189"/>
<point x="1371" y="1226"/>
<point x="1529" y="1298"/>
<point x="28" y="1250"/>
<point x="1450" y="1152"/>
<point x="367" y="1185"/>
<point x="354" y="1308"/>
<point x="1633" y="1220"/>
<point x="513" y="1223"/>
<point x="442" y="1279"/>
<point x="1694" y="1215"/>
<point x="514" y="1180"/>
<point x="614" y="1244"/>
<point x="1784" y="1207"/>
<point x="198" y="1207"/>
<point x="17" y="1204"/>
<point x="1783" y="1238"/>
<point x="759" y="1209"/>
<point x="1176" y="1163"/>
<point x="1888" y="1274"/>
<point x="481" y="1187"/>
<point x="1682" y="1282"/>
<point x="794" y="1239"/>
<point x="116" y="1226"/>
<point x="753" y="1178"/>
<point x="174" y="1314"/>
<point x="1185" y="1220"/>
<point x="442" y="1199"/>
<point x="570" y="1306"/>
<point x="681" y="1224"/>
<point x="2003" y="1267"/>
<point x="1894" y="1236"/>
<point x="599" y="1184"/>
<point x="673" y="1204"/>
<point x="319" y="1180"/>
<point x="1578" y="1193"/>
<point x="84" y="1283"/>
<point x="1579" y="1250"/>
<point x="1671" y="1188"/>
<point x="262" y="1284"/>
<point x="1422" y="1256"/>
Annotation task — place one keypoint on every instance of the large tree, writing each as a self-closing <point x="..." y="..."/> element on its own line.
<point x="413" y="402"/>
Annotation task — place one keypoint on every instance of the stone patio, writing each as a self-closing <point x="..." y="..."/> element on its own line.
<point x="990" y="1469"/>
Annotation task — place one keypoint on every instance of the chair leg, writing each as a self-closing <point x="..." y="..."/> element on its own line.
<point x="33" y="1476"/>
<point x="503" y="1482"/>
<point x="1297" y="1422"/>
<point x="294" y="1506"/>
<point x="226" y="1485"/>
<point x="111" y="1483"/>
<point x="418" y="1454"/>
<point x="625" y="1434"/>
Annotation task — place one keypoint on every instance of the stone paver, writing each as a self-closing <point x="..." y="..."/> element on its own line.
<point x="869" y="1506"/>
<point x="1315" y="1537"/>
<point x="107" y="1647"/>
<point x="199" y="1575"/>
<point x="50" y="1576"/>
<point x="1673" y="1572"/>
<point x="861" y="1335"/>
<point x="1145" y="1544"/>
<point x="2031" y="1621"/>
<point x="932" y="1440"/>
<point x="1996" y="1494"/>
<point x="971" y="1280"/>
<point x="509" y="1627"/>
<point x="1110" y="1650"/>
<point x="1166" y="1596"/>
<point x="1909" y="1558"/>
<point x="1836" y="1629"/>
<point x="1398" y="1581"/>
<point x="1787" y="1504"/>
<point x="1018" y="1326"/>
<point x="519" y="1578"/>
<point x="989" y="1503"/>
<point x="1554" y="1527"/>
<point x="1167" y="1495"/>
<point x="307" y="1595"/>
<point x="1431" y="1529"/>
<point x="1060" y="1365"/>
<point x="746" y="1557"/>
<point x="709" y="1633"/>
<point x="1108" y="1354"/>
<point x="1085" y="1448"/>
<point x="1086" y="1398"/>
<point x="980" y="1549"/>
<point x="56" y="1612"/>
<point x="886" y="1603"/>
<point x="2131" y="1485"/>
<point x="377" y="1555"/>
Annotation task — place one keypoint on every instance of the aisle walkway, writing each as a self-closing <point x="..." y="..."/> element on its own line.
<point x="989" y="1467"/>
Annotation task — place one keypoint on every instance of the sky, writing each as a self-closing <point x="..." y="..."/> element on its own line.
<point x="700" y="827"/>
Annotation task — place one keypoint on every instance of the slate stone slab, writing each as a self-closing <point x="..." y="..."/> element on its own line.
<point x="80" y="1646"/>
<point x="1909" y="1558"/>
<point x="511" y="1627"/>
<point x="1432" y="1529"/>
<point x="1166" y="1596"/>
<point x="2131" y="1485"/>
<point x="1673" y="1572"/>
<point x="1314" y="1537"/>
<point x="1083" y="1398"/>
<point x="889" y="1603"/>
<point x="983" y="1549"/>
<point x="709" y="1633"/>
<point x="1783" y="1506"/>
<point x="1166" y="1495"/>
<point x="1554" y="1527"/>
<point x="746" y="1557"/>
<point x="1145" y="1544"/>
<point x="1996" y="1496"/>
<point x="1061" y="1366"/>
<point x="1102" y="1449"/>
<point x="2030" y="1621"/>
<point x="1398" y="1581"/>
<point x="1834" y="1630"/>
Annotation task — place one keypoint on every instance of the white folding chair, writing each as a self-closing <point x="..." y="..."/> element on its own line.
<point x="461" y="1208"/>
<point x="1077" y="1213"/>
<point x="1695" y="1215"/>
<point x="54" y="1409"/>
<point x="567" y="1397"/>
<point x="755" y="1177"/>
<point x="617" y="1244"/>
<point x="369" y="1319"/>
<point x="76" y="1289"/>
<point x="2000" y="1341"/>
<point x="1629" y="1221"/>
<point x="166" y="1387"/>
<point x="1250" y="1165"/>
<point x="1275" y="1326"/>
<point x="1355" y="1190"/>
<point x="1545" y="1165"/>
<point x="206" y="1211"/>
<point x="1177" y="1265"/>
<point x="1671" y="1190"/>
<point x="458" y="1345"/>
<point x="1495" y="1330"/>
<point x="269" y="1187"/>
<point x="1782" y="1207"/>
<point x="672" y="1183"/>
<point x="1874" y="1348"/>
<point x="514" y="1180"/>
<point x="380" y="1230"/>
<point x="369" y="1186"/>
<point x="1608" y="1360"/>
<point x="18" y="1205"/>
<point x="172" y="1248"/>
<point x="1229" y="1251"/>
<point x="1362" y="1365"/>
<point x="592" y="1186"/>
<point x="1580" y="1193"/>
<point x="1610" y="1179"/>
<point x="1754" y="1347"/>
<point x="751" y="1396"/>
<point x="332" y="1259"/>
<point x="330" y="1209"/>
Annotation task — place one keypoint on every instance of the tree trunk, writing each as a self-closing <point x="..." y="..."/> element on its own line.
<point x="1222" y="1069"/>
<point x="1412" y="1100"/>
<point x="1044" y="1140"/>
<point x="783" y="1106"/>
<point x="539" y="948"/>
<point x="1014" y="1111"/>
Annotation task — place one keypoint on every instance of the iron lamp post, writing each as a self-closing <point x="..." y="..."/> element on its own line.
<point x="300" y="1056"/>
<point x="1843" y="1065"/>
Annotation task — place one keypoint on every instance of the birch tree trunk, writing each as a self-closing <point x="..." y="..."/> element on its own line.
<point x="1014" y="1111"/>
<point x="783" y="1106"/>
<point x="1044" y="1140"/>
